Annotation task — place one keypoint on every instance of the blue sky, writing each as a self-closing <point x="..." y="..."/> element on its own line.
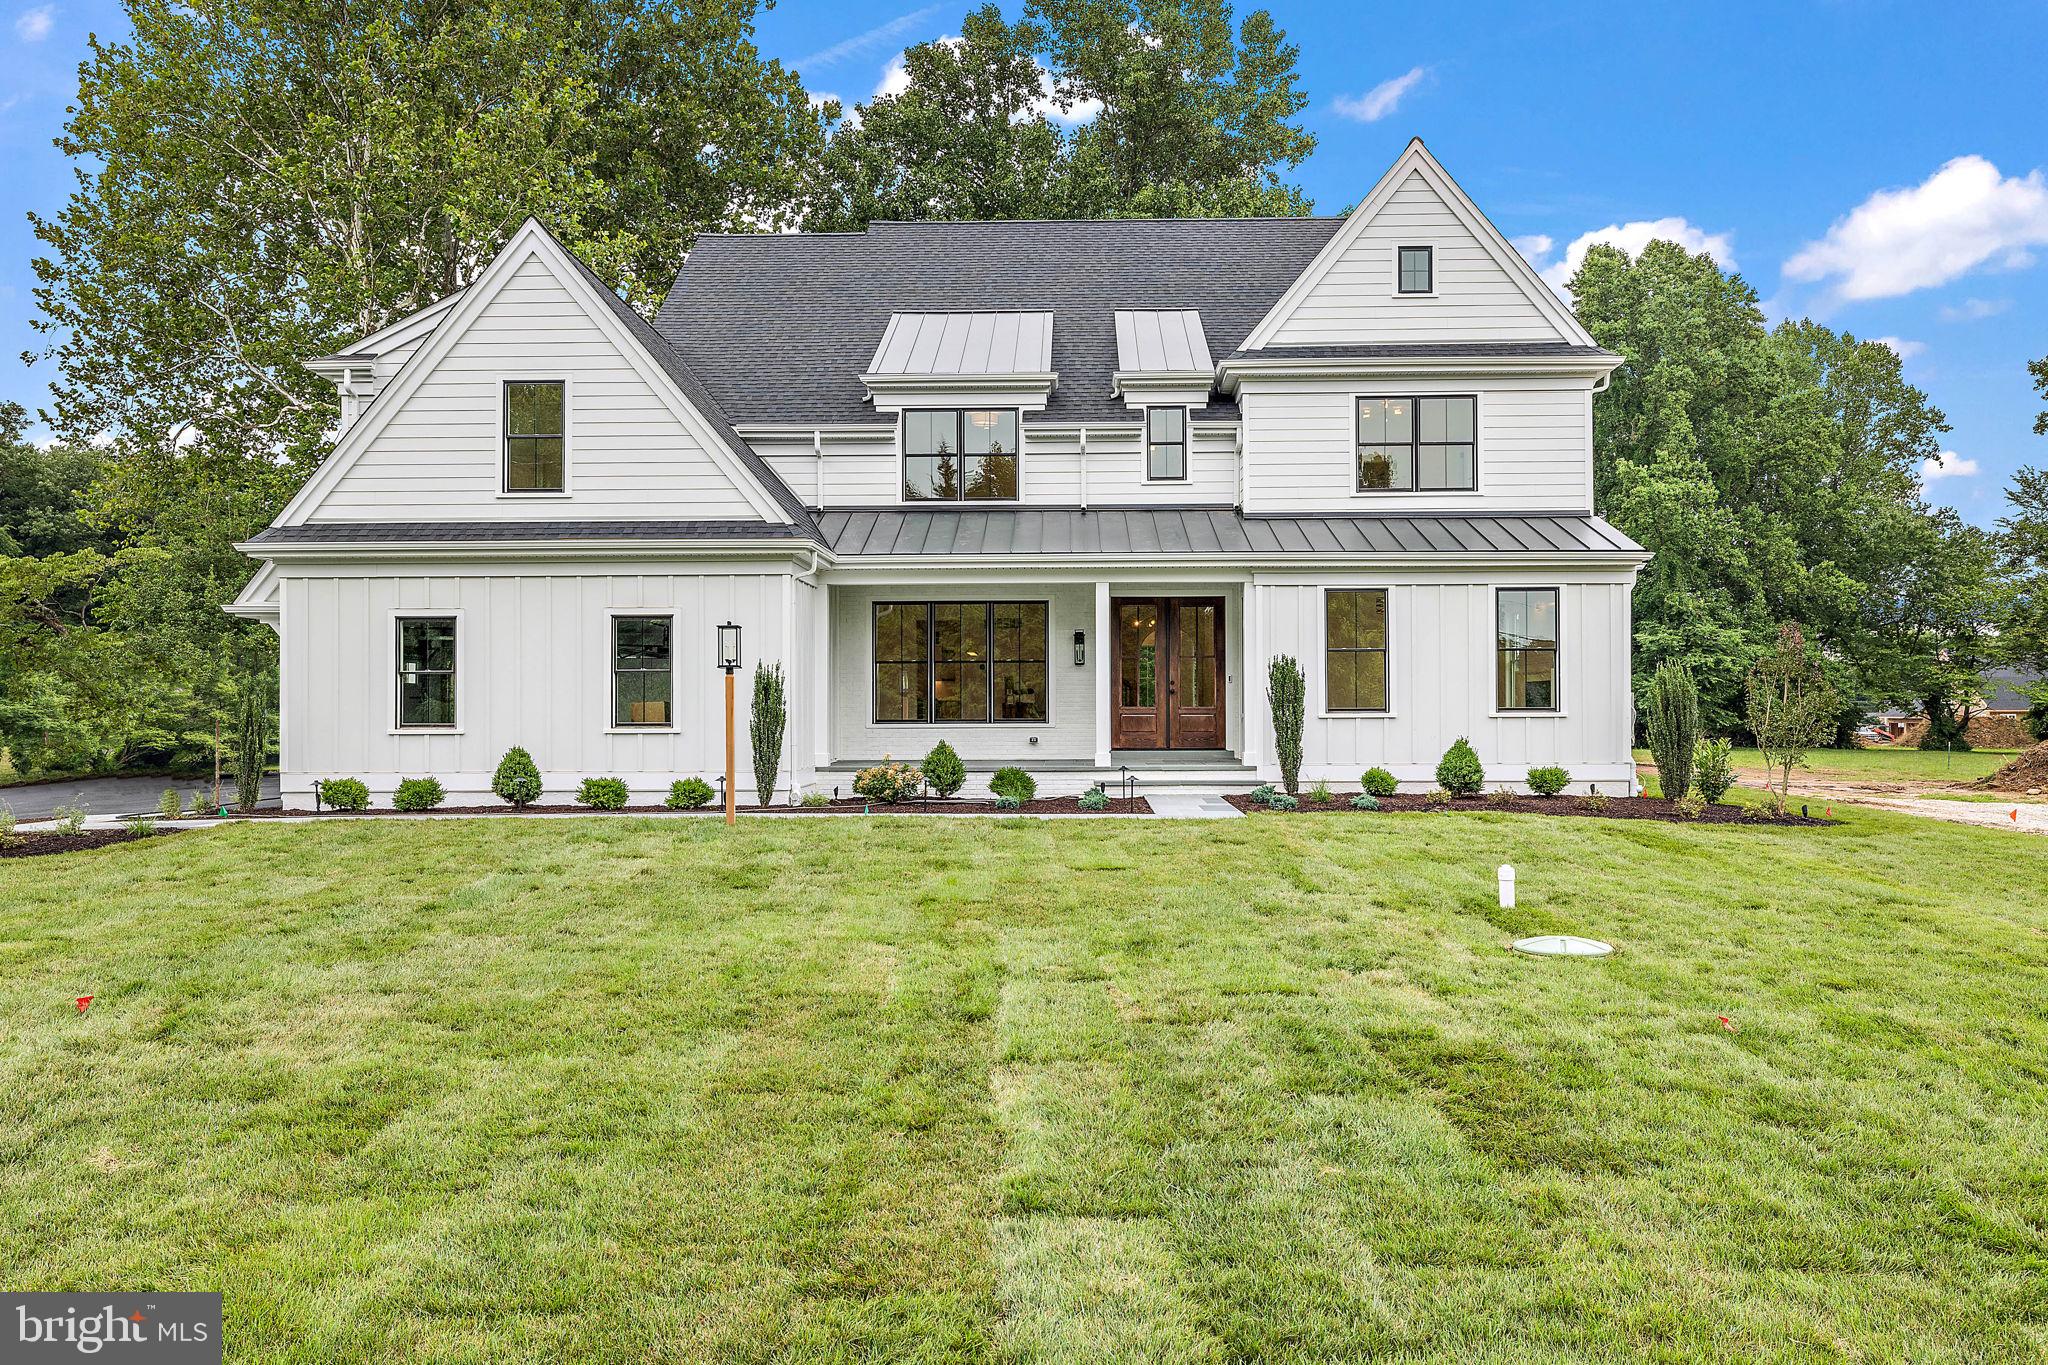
<point x="1882" y="167"/>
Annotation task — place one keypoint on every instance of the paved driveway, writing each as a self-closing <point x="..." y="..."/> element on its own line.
<point x="111" y="795"/>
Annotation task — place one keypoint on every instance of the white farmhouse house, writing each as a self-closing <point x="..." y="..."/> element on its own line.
<point x="1056" y="492"/>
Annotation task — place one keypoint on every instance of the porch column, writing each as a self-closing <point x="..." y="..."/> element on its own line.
<point x="1252" y="640"/>
<point x="1104" y="642"/>
<point x="820" y="602"/>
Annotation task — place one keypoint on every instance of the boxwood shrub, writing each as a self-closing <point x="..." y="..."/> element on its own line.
<point x="1014" y="783"/>
<point x="603" y="793"/>
<point x="517" y="779"/>
<point x="944" y="773"/>
<point x="345" y="793"/>
<point x="418" y="793"/>
<point x="1378" y="782"/>
<point x="1461" y="773"/>
<point x="689" y="794"/>
<point x="1549" y="781"/>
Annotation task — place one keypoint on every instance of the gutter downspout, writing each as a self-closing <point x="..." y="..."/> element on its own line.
<point x="1084" y="468"/>
<point x="818" y="450"/>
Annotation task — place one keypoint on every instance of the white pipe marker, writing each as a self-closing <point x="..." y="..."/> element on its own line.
<point x="1507" y="886"/>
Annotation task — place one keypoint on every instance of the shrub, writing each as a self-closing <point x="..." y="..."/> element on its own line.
<point x="1378" y="782"/>
<point x="170" y="805"/>
<point x="70" y="819"/>
<point x="688" y="794"/>
<point x="1710" y="774"/>
<point x="1365" y="801"/>
<point x="888" y="782"/>
<point x="1596" y="801"/>
<point x="1499" y="796"/>
<point x="1549" y="781"/>
<point x="1094" y="799"/>
<point x="1436" y="798"/>
<point x="1282" y="801"/>
<point x="1287" y="695"/>
<point x="1461" y="773"/>
<point x="944" y="773"/>
<point x="142" y="826"/>
<point x="345" y="793"/>
<point x="770" y="719"/>
<point x="1320" y="794"/>
<point x="1013" y="782"/>
<point x="1008" y="803"/>
<point x="2037" y="717"/>
<point x="1690" y="806"/>
<point x="1673" y="727"/>
<point x="517" y="779"/>
<point x="1789" y="705"/>
<point x="6" y="824"/>
<point x="603" y="793"/>
<point x="1263" y="794"/>
<point x="814" y="799"/>
<point x="251" y="741"/>
<point x="418" y="793"/>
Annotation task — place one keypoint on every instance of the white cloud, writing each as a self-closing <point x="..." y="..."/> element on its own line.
<point x="862" y="42"/>
<point x="1630" y="237"/>
<point x="895" y="77"/>
<point x="1945" y="465"/>
<point x="1900" y="347"/>
<point x="32" y="26"/>
<point x="1974" y="310"/>
<point x="1963" y="216"/>
<point x="1380" y="101"/>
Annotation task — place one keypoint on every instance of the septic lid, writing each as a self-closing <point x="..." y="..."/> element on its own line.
<point x="1563" y="945"/>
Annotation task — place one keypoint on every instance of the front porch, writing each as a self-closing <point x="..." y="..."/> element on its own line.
<point x="1078" y="680"/>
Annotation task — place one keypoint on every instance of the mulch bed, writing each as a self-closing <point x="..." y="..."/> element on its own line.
<point x="1615" y="808"/>
<point x="845" y="805"/>
<point x="35" y="845"/>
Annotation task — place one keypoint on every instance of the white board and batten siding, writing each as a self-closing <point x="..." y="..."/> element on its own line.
<point x="1535" y="446"/>
<point x="1441" y="679"/>
<point x="440" y="458"/>
<point x="533" y="669"/>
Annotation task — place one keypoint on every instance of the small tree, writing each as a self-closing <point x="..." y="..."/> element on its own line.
<point x="1460" y="772"/>
<point x="1287" y="695"/>
<point x="1674" y="727"/>
<point x="517" y="780"/>
<point x="252" y="740"/>
<point x="944" y="773"/>
<point x="1790" y="706"/>
<point x="771" y="717"/>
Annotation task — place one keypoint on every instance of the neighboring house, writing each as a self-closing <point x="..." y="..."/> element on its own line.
<point x="1053" y="491"/>
<point x="1998" y="720"/>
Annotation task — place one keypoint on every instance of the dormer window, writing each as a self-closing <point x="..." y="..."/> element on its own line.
<point x="951" y="454"/>
<point x="1417" y="266"/>
<point x="535" y="433"/>
<point x="1166" y="444"/>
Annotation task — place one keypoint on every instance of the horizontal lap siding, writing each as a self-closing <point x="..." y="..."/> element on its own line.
<point x="1476" y="298"/>
<point x="1535" y="446"/>
<point x="534" y="671"/>
<point x="439" y="458"/>
<point x="1441" y="675"/>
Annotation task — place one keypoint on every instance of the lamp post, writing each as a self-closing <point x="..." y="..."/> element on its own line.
<point x="729" y="660"/>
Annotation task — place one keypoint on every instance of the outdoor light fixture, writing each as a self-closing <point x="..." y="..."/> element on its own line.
<point x="729" y="647"/>
<point x="729" y="660"/>
<point x="1080" y="647"/>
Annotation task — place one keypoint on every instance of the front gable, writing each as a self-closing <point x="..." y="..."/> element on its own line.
<point x="1483" y="290"/>
<point x="637" y="445"/>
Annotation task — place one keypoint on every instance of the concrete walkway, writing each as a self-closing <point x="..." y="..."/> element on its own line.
<point x="1192" y="806"/>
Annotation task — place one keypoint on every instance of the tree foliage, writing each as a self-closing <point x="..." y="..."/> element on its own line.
<point x="1287" y="700"/>
<point x="1078" y="109"/>
<point x="1789" y="703"/>
<point x="1674" y="726"/>
<point x="765" y="728"/>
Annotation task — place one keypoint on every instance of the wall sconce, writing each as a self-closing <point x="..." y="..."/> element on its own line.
<point x="1080" y="647"/>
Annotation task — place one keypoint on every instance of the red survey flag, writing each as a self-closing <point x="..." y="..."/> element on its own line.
<point x="83" y="1001"/>
<point x="1726" y="1022"/>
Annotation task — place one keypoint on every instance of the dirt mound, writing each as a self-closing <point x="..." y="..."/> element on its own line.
<point x="1988" y="730"/>
<point x="2027" y="773"/>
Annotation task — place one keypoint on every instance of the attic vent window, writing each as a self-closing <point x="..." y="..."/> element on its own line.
<point x="1418" y="270"/>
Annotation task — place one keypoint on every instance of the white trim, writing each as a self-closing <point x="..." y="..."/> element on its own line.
<point x="1321" y="679"/>
<point x="392" y="617"/>
<point x="404" y="329"/>
<point x="1105" y="631"/>
<point x="917" y="592"/>
<point x="530" y="242"/>
<point x="500" y="425"/>
<point x="1415" y="159"/>
<point x="962" y="503"/>
<point x="1395" y="274"/>
<point x="1494" y="588"/>
<point x="1478" y="488"/>
<point x="674" y="616"/>
<point x="1187" y="441"/>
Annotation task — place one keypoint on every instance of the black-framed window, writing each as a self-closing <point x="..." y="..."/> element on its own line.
<point x="535" y="430"/>
<point x="1526" y="624"/>
<point x="960" y="663"/>
<point x="1427" y="444"/>
<point x="950" y="454"/>
<point x="1355" y="649"/>
<point x="426" y="672"/>
<point x="643" y="672"/>
<point x="1417" y="267"/>
<point x="1166" y="443"/>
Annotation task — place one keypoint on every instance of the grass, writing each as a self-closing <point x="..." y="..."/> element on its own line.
<point x="1006" y="1091"/>
<point x="1877" y="765"/>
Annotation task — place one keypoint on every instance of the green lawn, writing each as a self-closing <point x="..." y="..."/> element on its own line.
<point x="1877" y="765"/>
<point x="1264" y="1090"/>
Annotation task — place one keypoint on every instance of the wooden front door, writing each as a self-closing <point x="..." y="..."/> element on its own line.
<point x="1166" y="687"/>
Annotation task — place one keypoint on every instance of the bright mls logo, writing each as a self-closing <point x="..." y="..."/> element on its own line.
<point x="164" y="1329"/>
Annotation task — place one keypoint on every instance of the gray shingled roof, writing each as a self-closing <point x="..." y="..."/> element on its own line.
<point x="780" y="326"/>
<point x="1170" y="531"/>
<point x="412" y="532"/>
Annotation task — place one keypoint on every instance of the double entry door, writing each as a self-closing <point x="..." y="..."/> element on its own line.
<point x="1166" y="691"/>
